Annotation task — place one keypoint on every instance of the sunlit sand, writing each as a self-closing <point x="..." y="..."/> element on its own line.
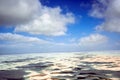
<point x="63" y="66"/>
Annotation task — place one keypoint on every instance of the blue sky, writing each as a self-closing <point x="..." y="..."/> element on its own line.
<point x="59" y="25"/>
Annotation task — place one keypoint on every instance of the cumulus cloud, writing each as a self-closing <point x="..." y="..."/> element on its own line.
<point x="93" y="40"/>
<point x="9" y="37"/>
<point x="32" y="17"/>
<point x="110" y="12"/>
<point x="14" y="12"/>
<point x="98" y="8"/>
<point x="16" y="43"/>
<point x="51" y="23"/>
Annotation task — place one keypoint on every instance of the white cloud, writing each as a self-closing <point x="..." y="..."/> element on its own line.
<point x="51" y="23"/>
<point x="16" y="43"/>
<point x="9" y="37"/>
<point x="14" y="12"/>
<point x="112" y="25"/>
<point x="110" y="12"/>
<point x="21" y="44"/>
<point x="93" y="40"/>
<point x="32" y="17"/>
<point x="98" y="8"/>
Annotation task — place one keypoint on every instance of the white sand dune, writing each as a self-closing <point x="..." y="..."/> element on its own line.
<point x="67" y="66"/>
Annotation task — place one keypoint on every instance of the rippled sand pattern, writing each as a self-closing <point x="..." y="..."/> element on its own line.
<point x="68" y="66"/>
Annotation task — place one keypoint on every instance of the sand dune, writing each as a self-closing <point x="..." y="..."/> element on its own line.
<point x="75" y="66"/>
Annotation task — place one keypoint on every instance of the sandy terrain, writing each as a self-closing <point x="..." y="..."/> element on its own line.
<point x="69" y="67"/>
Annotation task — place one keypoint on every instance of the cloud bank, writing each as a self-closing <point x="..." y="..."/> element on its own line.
<point x="93" y="40"/>
<point x="15" y="12"/>
<point x="13" y="38"/>
<point x="16" y="43"/>
<point x="109" y="10"/>
<point x="31" y="17"/>
<point x="51" y="23"/>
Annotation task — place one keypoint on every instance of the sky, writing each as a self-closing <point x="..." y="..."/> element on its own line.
<point x="34" y="26"/>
